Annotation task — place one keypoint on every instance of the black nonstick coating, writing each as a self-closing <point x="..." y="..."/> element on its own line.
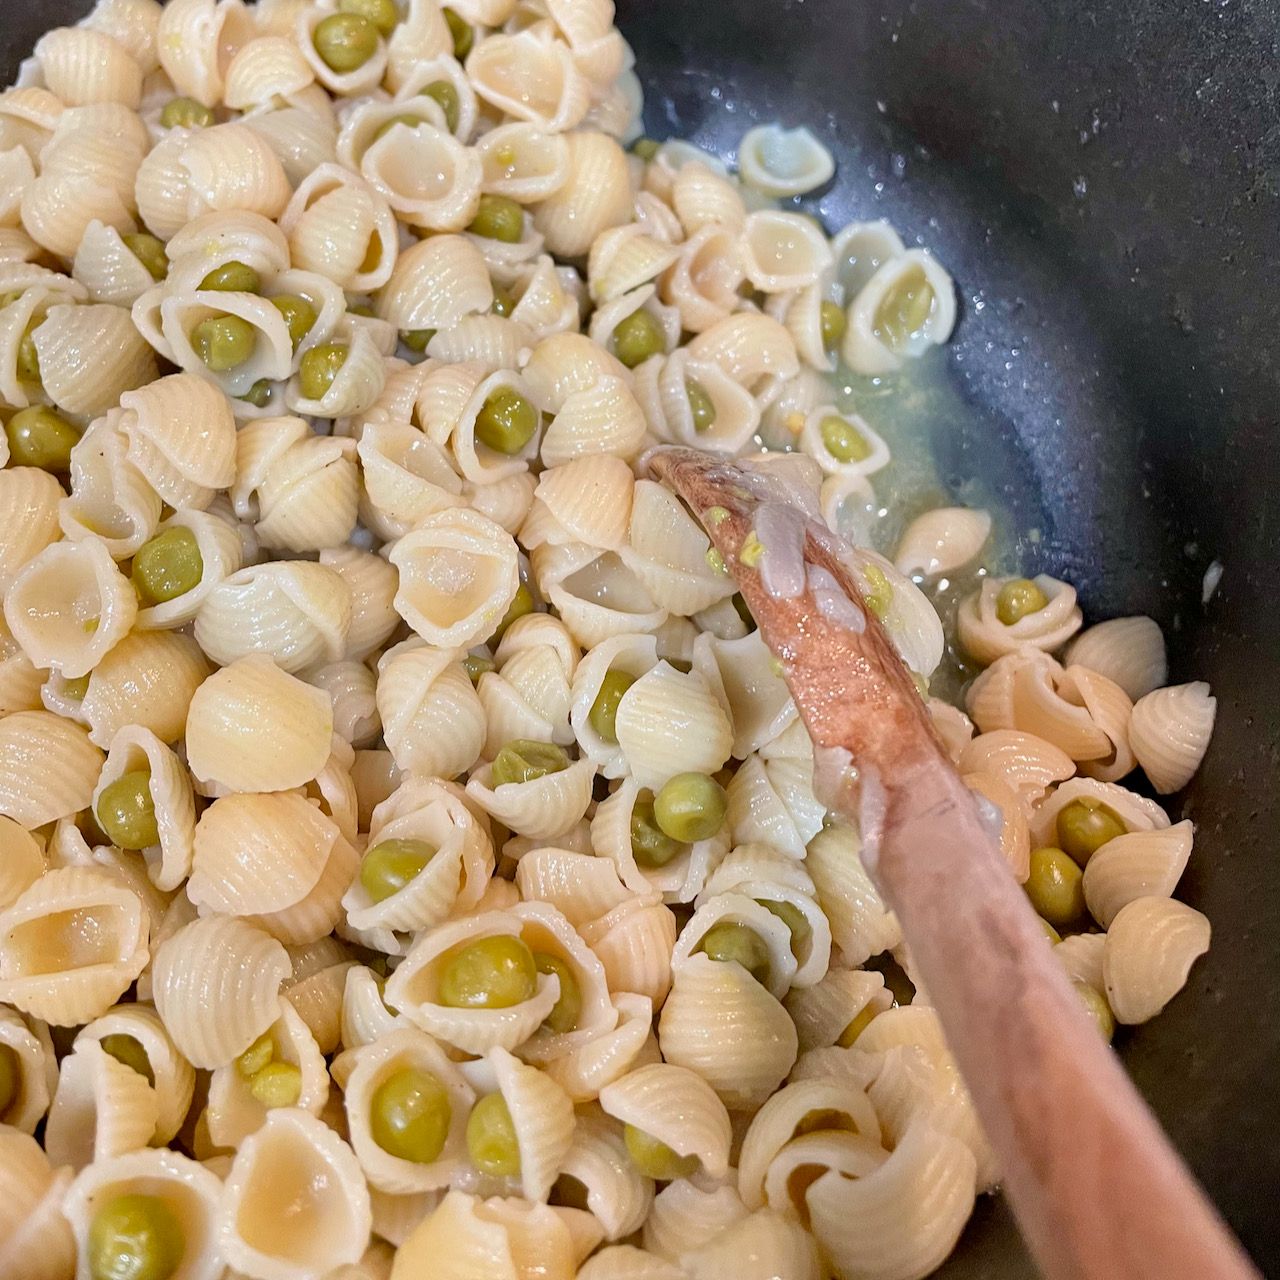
<point x="1103" y="178"/>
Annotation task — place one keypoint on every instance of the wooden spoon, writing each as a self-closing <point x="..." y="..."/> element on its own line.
<point x="1096" y="1186"/>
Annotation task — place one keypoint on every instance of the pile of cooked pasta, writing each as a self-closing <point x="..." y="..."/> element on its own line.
<point x="409" y="858"/>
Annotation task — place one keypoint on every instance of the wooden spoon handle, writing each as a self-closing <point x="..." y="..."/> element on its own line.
<point x="1097" y="1189"/>
<point x="1095" y="1184"/>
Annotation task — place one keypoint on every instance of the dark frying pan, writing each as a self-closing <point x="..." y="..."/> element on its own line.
<point x="1103" y="180"/>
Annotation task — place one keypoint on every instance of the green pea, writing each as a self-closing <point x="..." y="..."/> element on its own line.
<point x="905" y="309"/>
<point x="149" y="250"/>
<point x="391" y="864"/>
<point x="1055" y="886"/>
<point x="319" y="367"/>
<point x="691" y="807"/>
<point x="506" y="422"/>
<point x="257" y="1056"/>
<point x="1098" y="1008"/>
<point x="463" y="36"/>
<point x="223" y="342"/>
<point x="345" y="41"/>
<point x="10" y="1078"/>
<point x="258" y="395"/>
<point x="278" y="1084"/>
<point x="476" y="665"/>
<point x="409" y="1115"/>
<point x="1085" y="825"/>
<point x="1018" y="598"/>
<point x="521" y="604"/>
<point x="525" y="761"/>
<point x="731" y="941"/>
<point x="654" y="1158"/>
<point x="568" y="1007"/>
<point x="833" y="324"/>
<point x="76" y="689"/>
<point x="128" y="1050"/>
<point x="879" y="593"/>
<point x="233" y="277"/>
<point x="168" y="566"/>
<point x="446" y="94"/>
<point x="135" y="1237"/>
<point x="850" y="1034"/>
<point x="498" y="218"/>
<point x="637" y="337"/>
<point x="382" y="13"/>
<point x="503" y="303"/>
<point x="38" y="437"/>
<point x="650" y="845"/>
<point x="701" y="405"/>
<point x="842" y="440"/>
<point x="491" y="1138"/>
<point x="417" y="339"/>
<point x="1049" y="931"/>
<point x="185" y="113"/>
<point x="645" y="148"/>
<point x="795" y="920"/>
<point x="126" y="812"/>
<point x="299" y="315"/>
<point x="28" y="359"/>
<point x="493" y="973"/>
<point x="603" y="716"/>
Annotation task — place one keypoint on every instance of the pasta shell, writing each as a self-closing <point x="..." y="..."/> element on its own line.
<point x="1026" y="763"/>
<point x="543" y="808"/>
<point x="426" y="175"/>
<point x="21" y="860"/>
<point x="985" y="638"/>
<point x="780" y="162"/>
<point x="542" y="1118"/>
<point x="747" y="346"/>
<point x="413" y="989"/>
<point x="297" y="1161"/>
<point x="435" y="283"/>
<point x="942" y="541"/>
<point x="263" y="69"/>
<point x="914" y="274"/>
<point x="372" y="583"/>
<point x="35" y="1070"/>
<point x="618" y="1195"/>
<point x="252" y="727"/>
<point x="702" y="197"/>
<point x="596" y="195"/>
<point x="903" y="1219"/>
<point x="221" y="554"/>
<point x="721" y="1023"/>
<point x="69" y="605"/>
<point x="174" y="1078"/>
<point x="760" y="1245"/>
<point x="861" y="925"/>
<point x="1135" y="865"/>
<point x="783" y="251"/>
<point x="216" y="985"/>
<point x="1006" y="812"/>
<point x="294" y="612"/>
<point x="522" y="162"/>
<point x="29" y="501"/>
<point x="102" y="1109"/>
<point x="36" y="744"/>
<point x="90" y="356"/>
<point x="458" y="574"/>
<point x="530" y="79"/>
<point x="420" y="689"/>
<point x="187" y="1188"/>
<point x="35" y="1238"/>
<point x="1150" y="948"/>
<point x="633" y="942"/>
<point x="677" y="1107"/>
<point x="1169" y="732"/>
<point x="1135" y="811"/>
<point x="824" y="1011"/>
<point x="1128" y="651"/>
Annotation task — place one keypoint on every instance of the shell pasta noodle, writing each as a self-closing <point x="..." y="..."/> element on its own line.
<point x="411" y="858"/>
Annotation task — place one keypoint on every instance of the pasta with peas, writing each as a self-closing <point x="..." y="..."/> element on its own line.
<point x="404" y="829"/>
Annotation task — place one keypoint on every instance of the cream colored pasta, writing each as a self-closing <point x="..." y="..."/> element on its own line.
<point x="1028" y="764"/>
<point x="172" y="1074"/>
<point x="358" y="80"/>
<point x="861" y="925"/>
<point x="987" y="638"/>
<point x="264" y="69"/>
<point x="297" y="1161"/>
<point x="595" y="196"/>
<point x="38" y="745"/>
<point x="29" y="501"/>
<point x="69" y="605"/>
<point x="425" y="175"/>
<point x="1170" y="731"/>
<point x="147" y="680"/>
<point x="435" y="283"/>
<point x="21" y="860"/>
<point x="90" y="355"/>
<point x="783" y="251"/>
<point x="70" y="945"/>
<point x="372" y="583"/>
<point x="875" y="341"/>
<point x="216" y="984"/>
<point x="188" y="1189"/>
<point x="542" y="808"/>
<point x="301" y="139"/>
<point x="351" y="688"/>
<point x="1137" y="864"/>
<point x="1128" y="651"/>
<point x="1150" y="948"/>
<point x="35" y="1238"/>
<point x="942" y="541"/>
<point x="35" y="1070"/>
<point x="784" y="162"/>
<point x="1136" y="812"/>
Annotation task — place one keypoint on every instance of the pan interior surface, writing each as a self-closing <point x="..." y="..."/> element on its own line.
<point x="1102" y="183"/>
